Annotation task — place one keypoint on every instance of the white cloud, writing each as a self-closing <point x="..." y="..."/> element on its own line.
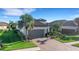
<point x="72" y="17"/>
<point x="18" y="12"/>
<point x="77" y="15"/>
<point x="29" y="10"/>
<point x="4" y="19"/>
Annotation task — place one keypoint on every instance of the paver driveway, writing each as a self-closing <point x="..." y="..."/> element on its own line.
<point x="54" y="45"/>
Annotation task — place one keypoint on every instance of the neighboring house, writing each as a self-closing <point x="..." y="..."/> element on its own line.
<point x="39" y="30"/>
<point x="3" y="26"/>
<point x="57" y="22"/>
<point x="70" y="27"/>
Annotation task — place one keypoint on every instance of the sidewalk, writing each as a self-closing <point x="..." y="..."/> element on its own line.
<point x="70" y="43"/>
<point x="29" y="49"/>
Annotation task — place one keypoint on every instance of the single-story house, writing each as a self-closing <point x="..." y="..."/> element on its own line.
<point x="3" y="26"/>
<point x="70" y="27"/>
<point x="39" y="30"/>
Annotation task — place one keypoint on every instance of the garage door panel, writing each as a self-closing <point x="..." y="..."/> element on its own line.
<point x="68" y="31"/>
<point x="36" y="34"/>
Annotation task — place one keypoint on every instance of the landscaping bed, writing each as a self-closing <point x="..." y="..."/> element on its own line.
<point x="12" y="41"/>
<point x="69" y="39"/>
<point x="64" y="41"/>
<point x="9" y="36"/>
<point x="76" y="45"/>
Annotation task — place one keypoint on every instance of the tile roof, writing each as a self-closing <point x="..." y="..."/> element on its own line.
<point x="36" y="24"/>
<point x="3" y="24"/>
<point x="70" y="23"/>
<point x="40" y="24"/>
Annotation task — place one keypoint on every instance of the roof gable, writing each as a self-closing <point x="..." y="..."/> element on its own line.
<point x="70" y="23"/>
<point x="40" y="24"/>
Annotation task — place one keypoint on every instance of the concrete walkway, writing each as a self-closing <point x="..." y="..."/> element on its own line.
<point x="29" y="49"/>
<point x="70" y="43"/>
<point x="54" y="45"/>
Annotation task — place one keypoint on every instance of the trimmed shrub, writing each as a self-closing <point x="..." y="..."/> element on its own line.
<point x="10" y="36"/>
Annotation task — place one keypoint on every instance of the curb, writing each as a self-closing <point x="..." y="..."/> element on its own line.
<point x="29" y="49"/>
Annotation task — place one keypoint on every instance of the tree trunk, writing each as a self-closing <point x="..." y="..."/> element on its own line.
<point x="26" y="35"/>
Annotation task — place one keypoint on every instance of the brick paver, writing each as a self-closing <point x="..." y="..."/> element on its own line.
<point x="54" y="45"/>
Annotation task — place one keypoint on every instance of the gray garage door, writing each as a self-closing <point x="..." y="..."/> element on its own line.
<point x="36" y="34"/>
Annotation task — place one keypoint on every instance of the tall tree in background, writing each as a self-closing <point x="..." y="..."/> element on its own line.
<point x="28" y="22"/>
<point x="54" y="29"/>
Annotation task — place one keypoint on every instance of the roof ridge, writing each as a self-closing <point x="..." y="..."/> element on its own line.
<point x="70" y="22"/>
<point x="75" y="22"/>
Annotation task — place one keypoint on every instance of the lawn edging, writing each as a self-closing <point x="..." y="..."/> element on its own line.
<point x="70" y="43"/>
<point x="29" y="49"/>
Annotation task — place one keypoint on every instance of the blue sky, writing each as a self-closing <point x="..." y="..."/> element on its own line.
<point x="50" y="14"/>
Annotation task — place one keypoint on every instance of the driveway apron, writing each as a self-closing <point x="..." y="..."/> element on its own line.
<point x="54" y="45"/>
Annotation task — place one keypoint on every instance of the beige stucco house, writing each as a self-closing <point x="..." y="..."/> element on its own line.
<point x="39" y="30"/>
<point x="71" y="27"/>
<point x="3" y="26"/>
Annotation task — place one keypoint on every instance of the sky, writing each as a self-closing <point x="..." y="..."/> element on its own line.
<point x="50" y="14"/>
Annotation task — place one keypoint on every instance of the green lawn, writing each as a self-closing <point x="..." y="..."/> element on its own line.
<point x="64" y="41"/>
<point x="73" y="36"/>
<point x="11" y="41"/>
<point x="76" y="45"/>
<point x="2" y="32"/>
<point x="70" y="39"/>
<point x="18" y="45"/>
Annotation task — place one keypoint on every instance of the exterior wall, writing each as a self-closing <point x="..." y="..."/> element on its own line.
<point x="45" y="30"/>
<point x="71" y="30"/>
<point x="69" y="27"/>
<point x="3" y="27"/>
<point x="40" y="28"/>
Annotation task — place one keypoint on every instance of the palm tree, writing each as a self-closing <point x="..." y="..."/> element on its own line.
<point x="28" y="22"/>
<point x="12" y="25"/>
<point x="55" y="27"/>
<point x="54" y="30"/>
